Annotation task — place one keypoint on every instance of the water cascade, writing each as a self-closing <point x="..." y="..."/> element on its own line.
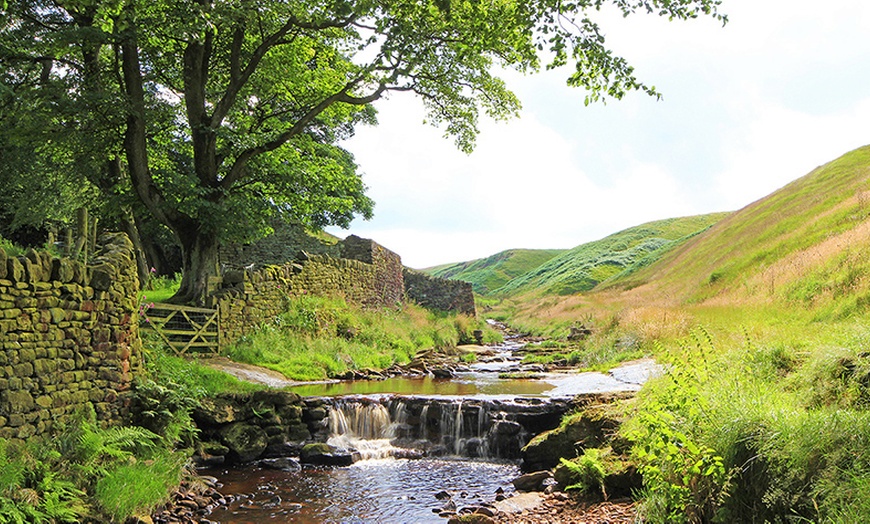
<point x="366" y="428"/>
<point x="396" y="425"/>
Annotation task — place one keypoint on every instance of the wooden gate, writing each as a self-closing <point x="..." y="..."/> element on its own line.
<point x="184" y="329"/>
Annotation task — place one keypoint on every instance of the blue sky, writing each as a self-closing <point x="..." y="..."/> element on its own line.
<point x="747" y="108"/>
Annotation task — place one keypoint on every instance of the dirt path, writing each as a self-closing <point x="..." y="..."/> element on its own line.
<point x="250" y="373"/>
<point x="559" y="508"/>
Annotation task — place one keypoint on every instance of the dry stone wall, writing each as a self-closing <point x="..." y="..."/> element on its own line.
<point x="389" y="283"/>
<point x="68" y="336"/>
<point x="247" y="298"/>
<point x="279" y="248"/>
<point x="439" y="293"/>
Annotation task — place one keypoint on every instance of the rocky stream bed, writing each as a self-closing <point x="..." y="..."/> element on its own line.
<point x="436" y="440"/>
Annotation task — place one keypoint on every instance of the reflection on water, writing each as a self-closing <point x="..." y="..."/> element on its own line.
<point x="371" y="491"/>
<point x="463" y="385"/>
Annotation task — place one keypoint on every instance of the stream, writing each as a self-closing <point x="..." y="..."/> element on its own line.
<point x="419" y="446"/>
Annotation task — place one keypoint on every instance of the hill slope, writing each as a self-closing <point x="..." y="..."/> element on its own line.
<point x="807" y="244"/>
<point x="762" y="321"/>
<point x="584" y="267"/>
<point x="488" y="274"/>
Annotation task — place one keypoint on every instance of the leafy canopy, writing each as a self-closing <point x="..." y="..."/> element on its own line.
<point x="221" y="113"/>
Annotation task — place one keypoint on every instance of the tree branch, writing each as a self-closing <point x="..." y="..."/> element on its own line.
<point x="237" y="170"/>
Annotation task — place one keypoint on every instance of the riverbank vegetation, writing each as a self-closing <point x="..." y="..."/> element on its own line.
<point x="761" y="326"/>
<point x="87" y="473"/>
<point x="322" y="337"/>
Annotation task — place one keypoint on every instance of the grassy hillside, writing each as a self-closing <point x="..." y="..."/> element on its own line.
<point x="805" y="245"/>
<point x="488" y="274"/>
<point x="582" y="268"/>
<point x="762" y="321"/>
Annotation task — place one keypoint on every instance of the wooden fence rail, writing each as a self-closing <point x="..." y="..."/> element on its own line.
<point x="185" y="329"/>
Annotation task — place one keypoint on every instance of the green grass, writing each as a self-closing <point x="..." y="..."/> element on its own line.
<point x="189" y="378"/>
<point x="138" y="488"/>
<point x="778" y="402"/>
<point x="10" y="248"/>
<point x="160" y="288"/>
<point x="319" y="337"/>
<point x="584" y="267"/>
<point x="491" y="273"/>
<point x="773" y="246"/>
<point x="86" y="473"/>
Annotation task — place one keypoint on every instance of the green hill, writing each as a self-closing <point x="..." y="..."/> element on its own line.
<point x="488" y="274"/>
<point x="805" y="244"/>
<point x="613" y="257"/>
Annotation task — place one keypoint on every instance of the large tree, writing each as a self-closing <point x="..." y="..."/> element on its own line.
<point x="236" y="107"/>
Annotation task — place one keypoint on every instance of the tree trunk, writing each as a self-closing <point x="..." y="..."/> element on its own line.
<point x="128" y="224"/>
<point x="81" y="243"/>
<point x="199" y="252"/>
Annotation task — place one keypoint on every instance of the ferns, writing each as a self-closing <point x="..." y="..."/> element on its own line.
<point x="50" y="480"/>
<point x="11" y="472"/>
<point x="588" y="470"/>
<point x="91" y="452"/>
<point x="31" y="493"/>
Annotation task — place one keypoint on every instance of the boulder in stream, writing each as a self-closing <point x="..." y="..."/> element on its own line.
<point x="590" y="428"/>
<point x="322" y="454"/>
<point x="281" y="464"/>
<point x="532" y="481"/>
<point x="246" y="442"/>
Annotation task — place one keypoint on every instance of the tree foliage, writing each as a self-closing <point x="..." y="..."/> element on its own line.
<point x="219" y="113"/>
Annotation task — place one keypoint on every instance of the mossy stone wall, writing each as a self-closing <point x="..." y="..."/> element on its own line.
<point x="247" y="298"/>
<point x="366" y="273"/>
<point x="439" y="293"/>
<point x="68" y="336"/>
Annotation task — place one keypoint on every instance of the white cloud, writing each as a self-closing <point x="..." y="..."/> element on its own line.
<point x="748" y="108"/>
<point x="778" y="145"/>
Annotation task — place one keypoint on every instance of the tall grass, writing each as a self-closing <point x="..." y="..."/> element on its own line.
<point x="320" y="337"/>
<point x="787" y="423"/>
<point x="86" y="473"/>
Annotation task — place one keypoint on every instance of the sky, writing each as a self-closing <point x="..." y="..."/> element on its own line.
<point x="747" y="108"/>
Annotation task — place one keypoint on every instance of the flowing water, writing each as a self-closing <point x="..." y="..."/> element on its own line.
<point x="464" y="434"/>
<point x="370" y="491"/>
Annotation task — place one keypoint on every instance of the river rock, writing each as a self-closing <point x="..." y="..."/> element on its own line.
<point x="215" y="411"/>
<point x="588" y="429"/>
<point x="276" y="397"/>
<point x="442" y="373"/>
<point x="245" y="441"/>
<point x="282" y="449"/>
<point x="323" y="454"/>
<point x="532" y="481"/>
<point x="474" y="518"/>
<point x="281" y="464"/>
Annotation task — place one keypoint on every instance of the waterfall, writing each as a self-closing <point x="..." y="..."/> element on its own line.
<point x="424" y="427"/>
<point x="418" y="426"/>
<point x="457" y="430"/>
<point x="363" y="427"/>
<point x="365" y="421"/>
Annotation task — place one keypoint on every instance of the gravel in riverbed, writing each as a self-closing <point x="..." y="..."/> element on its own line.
<point x="558" y="508"/>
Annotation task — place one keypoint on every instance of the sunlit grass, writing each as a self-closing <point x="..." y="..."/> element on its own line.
<point x="320" y="337"/>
